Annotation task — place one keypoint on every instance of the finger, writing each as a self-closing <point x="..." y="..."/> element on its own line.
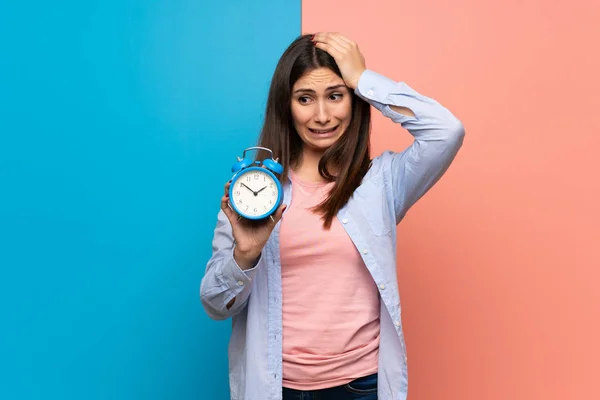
<point x="225" y="206"/>
<point x="333" y="40"/>
<point x="341" y="38"/>
<point x="227" y="209"/>
<point x="336" y="38"/>
<point x="327" y="43"/>
<point x="278" y="214"/>
<point x="227" y="187"/>
<point x="333" y="37"/>
<point x="329" y="48"/>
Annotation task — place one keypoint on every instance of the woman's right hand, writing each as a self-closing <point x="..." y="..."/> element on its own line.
<point x="250" y="236"/>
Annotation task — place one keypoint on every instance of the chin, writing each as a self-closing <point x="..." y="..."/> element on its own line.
<point x="322" y="147"/>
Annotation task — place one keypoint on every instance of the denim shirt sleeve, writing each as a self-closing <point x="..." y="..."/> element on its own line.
<point x="438" y="135"/>
<point x="224" y="279"/>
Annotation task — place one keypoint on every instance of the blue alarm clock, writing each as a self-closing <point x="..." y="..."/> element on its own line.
<point x="255" y="192"/>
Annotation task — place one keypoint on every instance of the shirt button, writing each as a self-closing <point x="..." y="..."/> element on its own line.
<point x="370" y="92"/>
<point x="345" y="221"/>
<point x="382" y="286"/>
<point x="240" y="283"/>
<point x="397" y="324"/>
<point x="365" y="251"/>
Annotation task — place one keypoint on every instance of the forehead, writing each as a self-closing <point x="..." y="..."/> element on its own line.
<point x="319" y="78"/>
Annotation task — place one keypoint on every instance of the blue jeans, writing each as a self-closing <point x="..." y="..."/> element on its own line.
<point x="364" y="388"/>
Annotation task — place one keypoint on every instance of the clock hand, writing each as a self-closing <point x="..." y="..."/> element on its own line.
<point x="260" y="191"/>
<point x="253" y="192"/>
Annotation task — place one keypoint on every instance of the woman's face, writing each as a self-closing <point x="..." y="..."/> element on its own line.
<point x="321" y="108"/>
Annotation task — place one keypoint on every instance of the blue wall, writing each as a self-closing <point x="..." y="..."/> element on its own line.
<point x="119" y="122"/>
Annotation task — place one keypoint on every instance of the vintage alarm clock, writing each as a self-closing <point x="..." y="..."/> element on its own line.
<point x="255" y="192"/>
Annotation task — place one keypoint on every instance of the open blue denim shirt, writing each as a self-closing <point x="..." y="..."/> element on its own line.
<point x="395" y="181"/>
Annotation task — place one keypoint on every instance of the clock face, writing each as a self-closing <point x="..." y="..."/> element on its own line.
<point x="254" y="193"/>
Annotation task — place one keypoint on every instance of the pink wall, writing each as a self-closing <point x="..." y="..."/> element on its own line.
<point x="499" y="265"/>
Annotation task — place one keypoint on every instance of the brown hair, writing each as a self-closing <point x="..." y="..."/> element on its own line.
<point x="350" y="154"/>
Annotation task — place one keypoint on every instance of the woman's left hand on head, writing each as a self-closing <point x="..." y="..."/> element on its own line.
<point x="346" y="54"/>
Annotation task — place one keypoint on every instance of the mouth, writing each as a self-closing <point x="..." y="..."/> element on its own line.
<point x="324" y="131"/>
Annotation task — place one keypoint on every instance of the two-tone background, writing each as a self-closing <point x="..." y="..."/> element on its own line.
<point x="119" y="123"/>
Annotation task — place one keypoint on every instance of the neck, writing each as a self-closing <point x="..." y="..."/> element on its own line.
<point x="307" y="168"/>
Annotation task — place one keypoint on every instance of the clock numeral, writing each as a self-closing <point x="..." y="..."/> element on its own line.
<point x="270" y="201"/>
<point x="256" y="176"/>
<point x="273" y="193"/>
<point x="256" y="210"/>
<point x="248" y="179"/>
<point x="238" y="192"/>
<point x="246" y="209"/>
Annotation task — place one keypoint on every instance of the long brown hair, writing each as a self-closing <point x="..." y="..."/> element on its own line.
<point x="349" y="155"/>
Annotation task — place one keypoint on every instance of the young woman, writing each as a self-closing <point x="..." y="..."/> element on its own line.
<point x="314" y="295"/>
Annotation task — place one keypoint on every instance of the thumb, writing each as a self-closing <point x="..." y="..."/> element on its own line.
<point x="279" y="213"/>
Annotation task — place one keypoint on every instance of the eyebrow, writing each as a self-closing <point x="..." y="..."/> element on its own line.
<point x="327" y="90"/>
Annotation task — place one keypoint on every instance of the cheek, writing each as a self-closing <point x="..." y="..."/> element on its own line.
<point x="344" y="112"/>
<point x="300" y="116"/>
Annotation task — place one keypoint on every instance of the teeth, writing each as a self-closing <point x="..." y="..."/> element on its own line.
<point x="319" y="131"/>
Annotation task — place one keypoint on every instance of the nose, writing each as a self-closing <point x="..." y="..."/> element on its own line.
<point x="322" y="115"/>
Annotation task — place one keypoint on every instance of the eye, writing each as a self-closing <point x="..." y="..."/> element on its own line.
<point x="304" y="99"/>
<point x="336" y="96"/>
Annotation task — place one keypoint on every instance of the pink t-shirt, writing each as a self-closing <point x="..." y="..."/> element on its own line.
<point x="330" y="301"/>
